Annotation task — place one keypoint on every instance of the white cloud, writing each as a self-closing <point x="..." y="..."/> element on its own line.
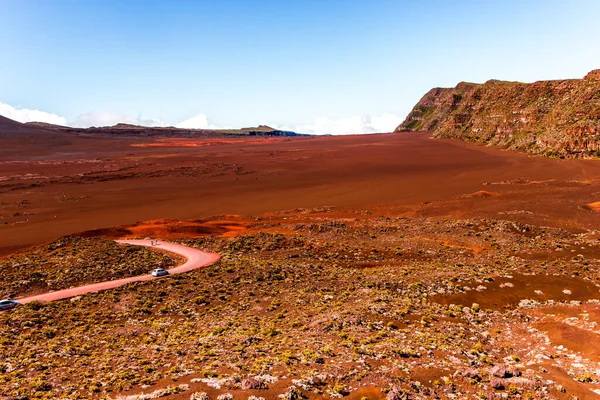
<point x="322" y="125"/>
<point x="27" y="115"/>
<point x="101" y="118"/>
<point x="351" y="125"/>
<point x="199" y="121"/>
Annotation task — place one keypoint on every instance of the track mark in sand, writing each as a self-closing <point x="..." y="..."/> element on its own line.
<point x="195" y="259"/>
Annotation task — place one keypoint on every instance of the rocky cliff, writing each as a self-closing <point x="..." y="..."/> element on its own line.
<point x="556" y="118"/>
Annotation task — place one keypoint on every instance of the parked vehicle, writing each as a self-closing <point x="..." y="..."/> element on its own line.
<point x="160" y="272"/>
<point x="8" y="304"/>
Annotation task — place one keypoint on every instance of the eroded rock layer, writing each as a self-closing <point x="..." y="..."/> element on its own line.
<point x="554" y="118"/>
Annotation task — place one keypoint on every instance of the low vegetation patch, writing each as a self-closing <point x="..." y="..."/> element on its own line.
<point x="72" y="261"/>
<point x="299" y="315"/>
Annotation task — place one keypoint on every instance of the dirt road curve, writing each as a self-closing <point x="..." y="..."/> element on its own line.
<point x="195" y="259"/>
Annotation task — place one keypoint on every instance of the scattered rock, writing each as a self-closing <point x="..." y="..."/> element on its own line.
<point x="396" y="393"/>
<point x="170" y="390"/>
<point x="501" y="371"/>
<point x="472" y="374"/>
<point x="293" y="393"/>
<point x="454" y="360"/>
<point x="252" y="383"/>
<point x="497" y="384"/>
<point x="312" y="381"/>
<point x="521" y="382"/>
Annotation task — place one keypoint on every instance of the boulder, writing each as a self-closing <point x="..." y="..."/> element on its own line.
<point x="472" y="373"/>
<point x="497" y="384"/>
<point x="501" y="371"/>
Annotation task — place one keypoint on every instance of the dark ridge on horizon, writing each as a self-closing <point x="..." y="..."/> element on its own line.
<point x="9" y="127"/>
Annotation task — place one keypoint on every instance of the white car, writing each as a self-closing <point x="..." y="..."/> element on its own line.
<point x="160" y="272"/>
<point x="8" y="304"/>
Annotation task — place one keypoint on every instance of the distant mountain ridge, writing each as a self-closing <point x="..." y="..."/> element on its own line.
<point x="558" y="118"/>
<point x="42" y="139"/>
<point x="9" y="127"/>
<point x="123" y="129"/>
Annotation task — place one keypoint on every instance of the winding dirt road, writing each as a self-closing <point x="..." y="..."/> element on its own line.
<point x="195" y="259"/>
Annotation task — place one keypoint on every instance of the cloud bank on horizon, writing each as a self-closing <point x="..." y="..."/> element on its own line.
<point x="27" y="115"/>
<point x="352" y="125"/>
<point x="358" y="124"/>
<point x="100" y="118"/>
<point x="199" y="121"/>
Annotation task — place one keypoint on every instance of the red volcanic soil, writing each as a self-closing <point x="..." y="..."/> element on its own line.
<point x="595" y="206"/>
<point x="180" y="142"/>
<point x="483" y="193"/>
<point x="173" y="229"/>
<point x="59" y="184"/>
<point x="506" y="292"/>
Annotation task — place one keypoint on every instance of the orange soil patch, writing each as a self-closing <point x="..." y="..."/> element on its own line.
<point x="573" y="338"/>
<point x="573" y="388"/>
<point x="172" y="229"/>
<point x="483" y="194"/>
<point x="225" y="226"/>
<point x="506" y="293"/>
<point x="475" y="249"/>
<point x="573" y="327"/>
<point x="561" y="311"/>
<point x="466" y="246"/>
<point x="427" y="376"/>
<point x="179" y="142"/>
<point x="589" y="252"/>
<point x="523" y="181"/>
<point x="371" y="393"/>
<point x="592" y="206"/>
<point x="171" y="144"/>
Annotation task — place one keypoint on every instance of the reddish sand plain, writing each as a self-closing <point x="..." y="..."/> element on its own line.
<point x="54" y="185"/>
<point x="83" y="183"/>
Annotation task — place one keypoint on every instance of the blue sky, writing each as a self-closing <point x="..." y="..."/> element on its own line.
<point x="320" y="66"/>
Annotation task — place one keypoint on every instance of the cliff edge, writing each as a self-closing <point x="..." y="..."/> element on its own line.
<point x="555" y="118"/>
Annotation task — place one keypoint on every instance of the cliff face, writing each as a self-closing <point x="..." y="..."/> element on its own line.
<point x="554" y="118"/>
